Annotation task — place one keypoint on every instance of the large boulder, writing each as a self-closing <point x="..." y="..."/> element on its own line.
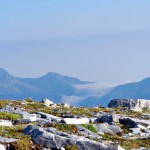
<point x="132" y="104"/>
<point x="107" y="128"/>
<point x="49" y="138"/>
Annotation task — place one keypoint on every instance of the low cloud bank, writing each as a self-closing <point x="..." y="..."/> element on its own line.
<point x="85" y="91"/>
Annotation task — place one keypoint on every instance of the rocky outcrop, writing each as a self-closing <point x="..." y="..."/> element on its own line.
<point x="135" y="105"/>
<point x="56" y="140"/>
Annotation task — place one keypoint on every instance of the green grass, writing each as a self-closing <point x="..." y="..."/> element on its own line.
<point x="146" y="110"/>
<point x="9" y="116"/>
<point x="24" y="142"/>
<point x="11" y="132"/>
<point x="128" y="144"/>
<point x="73" y="111"/>
<point x="71" y="147"/>
<point x="89" y="127"/>
<point x="65" y="127"/>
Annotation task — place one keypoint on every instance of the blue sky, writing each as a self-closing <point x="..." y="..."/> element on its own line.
<point x="105" y="41"/>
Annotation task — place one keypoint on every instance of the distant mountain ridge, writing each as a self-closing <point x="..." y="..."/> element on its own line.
<point x="61" y="88"/>
<point x="135" y="90"/>
<point x="51" y="85"/>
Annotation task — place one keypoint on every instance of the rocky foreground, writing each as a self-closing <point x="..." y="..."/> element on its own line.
<point x="29" y="125"/>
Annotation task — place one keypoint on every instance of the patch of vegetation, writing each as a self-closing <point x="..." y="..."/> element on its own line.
<point x="73" y="111"/>
<point x="128" y="144"/>
<point x="146" y="110"/>
<point x="129" y="113"/>
<point x="29" y="100"/>
<point x="89" y="127"/>
<point x="71" y="147"/>
<point x="125" y="129"/>
<point x="9" y="116"/>
<point x="25" y="143"/>
<point x="11" y="132"/>
<point x="33" y="106"/>
<point x="3" y="103"/>
<point x="65" y="127"/>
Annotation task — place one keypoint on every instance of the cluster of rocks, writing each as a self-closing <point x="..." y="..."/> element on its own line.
<point x="48" y="103"/>
<point x="102" y="122"/>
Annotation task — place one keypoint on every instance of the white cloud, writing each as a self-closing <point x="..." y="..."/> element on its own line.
<point x="94" y="89"/>
<point x="85" y="91"/>
<point x="72" y="100"/>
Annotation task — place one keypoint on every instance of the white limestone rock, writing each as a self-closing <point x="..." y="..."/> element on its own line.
<point x="76" y="120"/>
<point x="30" y="117"/>
<point x="6" y="123"/>
<point x="132" y="104"/>
<point x="47" y="102"/>
<point x="66" y="105"/>
<point x="7" y="140"/>
<point x="2" y="147"/>
<point x="136" y="131"/>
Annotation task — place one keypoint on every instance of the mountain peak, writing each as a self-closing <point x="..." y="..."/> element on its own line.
<point x="2" y="70"/>
<point x="5" y="76"/>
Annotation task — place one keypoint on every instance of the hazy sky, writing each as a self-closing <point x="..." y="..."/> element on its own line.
<point x="107" y="41"/>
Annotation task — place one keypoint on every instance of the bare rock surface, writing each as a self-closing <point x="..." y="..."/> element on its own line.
<point x="135" y="105"/>
<point x="82" y="120"/>
<point x="6" y="123"/>
<point x="7" y="140"/>
<point x="107" y="128"/>
<point x="2" y="147"/>
<point x="55" y="139"/>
